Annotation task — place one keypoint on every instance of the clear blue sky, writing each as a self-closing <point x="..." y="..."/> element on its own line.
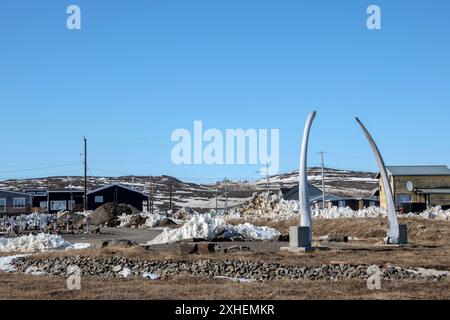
<point x="140" y="69"/>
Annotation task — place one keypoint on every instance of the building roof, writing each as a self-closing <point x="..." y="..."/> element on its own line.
<point x="437" y="170"/>
<point x="116" y="185"/>
<point x="292" y="194"/>
<point x="328" y="198"/>
<point x="15" y="192"/>
<point x="433" y="191"/>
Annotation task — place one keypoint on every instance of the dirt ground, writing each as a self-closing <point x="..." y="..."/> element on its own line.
<point x="429" y="248"/>
<point x="43" y="287"/>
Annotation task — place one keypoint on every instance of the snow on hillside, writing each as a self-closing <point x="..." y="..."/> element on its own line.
<point x="202" y="196"/>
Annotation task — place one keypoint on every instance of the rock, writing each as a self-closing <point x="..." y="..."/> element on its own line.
<point x="121" y="243"/>
<point x="187" y="248"/>
<point x="205" y="247"/>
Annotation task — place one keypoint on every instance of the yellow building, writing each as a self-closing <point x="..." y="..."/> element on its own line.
<point x="417" y="187"/>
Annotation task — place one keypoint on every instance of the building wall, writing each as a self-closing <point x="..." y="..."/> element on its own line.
<point x="117" y="195"/>
<point x="8" y="197"/>
<point x="398" y="185"/>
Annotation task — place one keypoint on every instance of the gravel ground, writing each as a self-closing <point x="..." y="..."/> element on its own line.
<point x="241" y="269"/>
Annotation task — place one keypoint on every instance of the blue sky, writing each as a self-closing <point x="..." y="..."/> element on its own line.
<point x="140" y="69"/>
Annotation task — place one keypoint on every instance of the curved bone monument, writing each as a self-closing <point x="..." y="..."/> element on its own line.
<point x="303" y="188"/>
<point x="300" y="237"/>
<point x="393" y="234"/>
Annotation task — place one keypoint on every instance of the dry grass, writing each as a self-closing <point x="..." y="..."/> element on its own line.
<point x="423" y="231"/>
<point x="431" y="250"/>
<point x="34" y="287"/>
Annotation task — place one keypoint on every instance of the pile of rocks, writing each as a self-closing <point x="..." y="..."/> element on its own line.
<point x="110" y="267"/>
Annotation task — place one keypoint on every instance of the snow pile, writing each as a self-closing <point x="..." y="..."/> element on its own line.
<point x="276" y="209"/>
<point x="144" y="220"/>
<point x="433" y="213"/>
<point x="249" y="231"/>
<point x="206" y="227"/>
<point x="124" y="220"/>
<point x="6" y="262"/>
<point x="150" y="276"/>
<point x="126" y="272"/>
<point x="40" y="242"/>
<point x="153" y="220"/>
<point x="27" y="222"/>
<point x="34" y="271"/>
<point x="336" y="213"/>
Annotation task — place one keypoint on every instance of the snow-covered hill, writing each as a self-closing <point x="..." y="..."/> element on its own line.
<point x="202" y="196"/>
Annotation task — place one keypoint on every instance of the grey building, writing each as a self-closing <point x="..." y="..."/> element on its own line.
<point x="15" y="203"/>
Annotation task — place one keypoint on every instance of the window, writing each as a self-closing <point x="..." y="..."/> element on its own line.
<point x="58" y="205"/>
<point x="341" y="204"/>
<point x="98" y="199"/>
<point x="19" y="203"/>
<point x="43" y="204"/>
<point x="372" y="204"/>
<point x="403" y="198"/>
<point x="71" y="205"/>
<point x="3" y="205"/>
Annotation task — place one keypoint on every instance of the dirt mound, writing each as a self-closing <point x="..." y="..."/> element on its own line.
<point x="72" y="218"/>
<point x="166" y="222"/>
<point x="108" y="214"/>
<point x="184" y="213"/>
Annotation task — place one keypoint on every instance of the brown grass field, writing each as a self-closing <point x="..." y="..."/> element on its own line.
<point x="430" y="248"/>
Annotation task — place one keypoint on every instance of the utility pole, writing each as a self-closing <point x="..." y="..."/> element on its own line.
<point x="323" y="179"/>
<point x="85" y="175"/>
<point x="150" y="196"/>
<point x="170" y="194"/>
<point x="217" y="194"/>
<point x="226" y="196"/>
<point x="268" y="180"/>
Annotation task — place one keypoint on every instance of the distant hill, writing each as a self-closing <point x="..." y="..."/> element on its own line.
<point x="202" y="196"/>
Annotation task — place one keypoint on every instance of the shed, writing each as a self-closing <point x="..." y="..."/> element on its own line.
<point x="117" y="194"/>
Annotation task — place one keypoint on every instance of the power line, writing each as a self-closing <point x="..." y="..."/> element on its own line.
<point x="41" y="168"/>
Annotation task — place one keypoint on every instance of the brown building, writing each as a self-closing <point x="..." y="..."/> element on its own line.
<point x="417" y="187"/>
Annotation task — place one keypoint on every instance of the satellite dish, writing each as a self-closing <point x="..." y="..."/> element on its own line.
<point x="410" y="186"/>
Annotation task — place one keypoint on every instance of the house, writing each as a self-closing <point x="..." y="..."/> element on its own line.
<point x="417" y="187"/>
<point x="117" y="194"/>
<point x="57" y="200"/>
<point x="331" y="200"/>
<point x="14" y="203"/>
<point x="292" y="193"/>
<point x="354" y="203"/>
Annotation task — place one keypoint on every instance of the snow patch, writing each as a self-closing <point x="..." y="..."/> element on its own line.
<point x="6" y="262"/>
<point x="206" y="227"/>
<point x="126" y="272"/>
<point x="40" y="242"/>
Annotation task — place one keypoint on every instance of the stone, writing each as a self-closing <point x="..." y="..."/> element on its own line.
<point x="299" y="237"/>
<point x="205" y="247"/>
<point x="403" y="234"/>
<point x="187" y="248"/>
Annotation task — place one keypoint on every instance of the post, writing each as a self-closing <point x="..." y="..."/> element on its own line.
<point x="217" y="193"/>
<point x="268" y="180"/>
<point x="226" y="196"/>
<point x="170" y="194"/>
<point x="150" y="197"/>
<point x="323" y="179"/>
<point x="85" y="176"/>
